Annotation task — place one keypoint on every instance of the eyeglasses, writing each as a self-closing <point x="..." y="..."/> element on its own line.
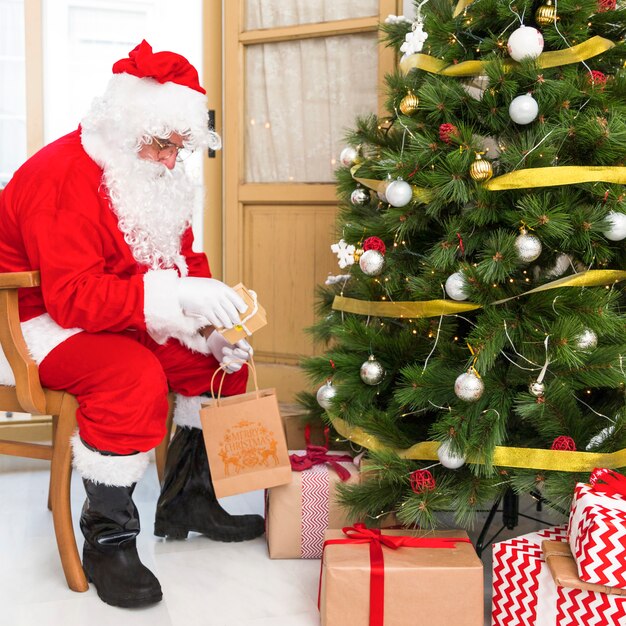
<point x="166" y="149"/>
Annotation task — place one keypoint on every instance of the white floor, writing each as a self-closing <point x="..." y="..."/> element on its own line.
<point x="204" y="583"/>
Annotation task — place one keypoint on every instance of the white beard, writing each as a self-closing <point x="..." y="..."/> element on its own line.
<point x="154" y="207"/>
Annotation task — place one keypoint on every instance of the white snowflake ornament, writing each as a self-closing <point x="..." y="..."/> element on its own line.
<point x="345" y="253"/>
<point x="414" y="40"/>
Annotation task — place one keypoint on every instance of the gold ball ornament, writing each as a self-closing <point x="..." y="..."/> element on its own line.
<point x="409" y="103"/>
<point x="481" y="169"/>
<point x="546" y="14"/>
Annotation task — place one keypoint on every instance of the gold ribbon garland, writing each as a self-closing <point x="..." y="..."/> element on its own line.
<point x="432" y="308"/>
<point x="522" y="458"/>
<point x="580" y="52"/>
<point x="419" y="193"/>
<point x="555" y="176"/>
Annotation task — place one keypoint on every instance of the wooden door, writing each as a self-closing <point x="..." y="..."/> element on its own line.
<point x="295" y="75"/>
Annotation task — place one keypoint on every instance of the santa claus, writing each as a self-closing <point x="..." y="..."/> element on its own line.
<point x="104" y="214"/>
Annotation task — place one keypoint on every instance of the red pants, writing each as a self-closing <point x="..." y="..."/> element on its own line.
<point x="121" y="383"/>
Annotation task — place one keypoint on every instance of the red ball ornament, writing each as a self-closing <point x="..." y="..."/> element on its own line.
<point x="563" y="443"/>
<point x="422" y="481"/>
<point x="446" y="131"/>
<point x="606" y="5"/>
<point x="375" y="243"/>
<point x="597" y="79"/>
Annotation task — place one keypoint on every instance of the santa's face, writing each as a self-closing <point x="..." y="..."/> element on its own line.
<point x="153" y="200"/>
<point x="160" y="150"/>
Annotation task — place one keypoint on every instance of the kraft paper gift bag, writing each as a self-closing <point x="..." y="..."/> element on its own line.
<point x="245" y="441"/>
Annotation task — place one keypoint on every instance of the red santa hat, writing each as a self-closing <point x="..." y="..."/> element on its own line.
<point x="164" y="67"/>
<point x="151" y="94"/>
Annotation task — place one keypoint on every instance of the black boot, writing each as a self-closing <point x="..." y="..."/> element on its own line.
<point x="110" y="523"/>
<point x="188" y="502"/>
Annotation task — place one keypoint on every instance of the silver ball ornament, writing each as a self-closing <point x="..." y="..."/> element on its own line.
<point x="360" y="197"/>
<point x="525" y="42"/>
<point x="536" y="389"/>
<point x="372" y="262"/>
<point x="372" y="371"/>
<point x="398" y="193"/>
<point x="587" y="340"/>
<point x="455" y="286"/>
<point x="617" y="230"/>
<point x="469" y="387"/>
<point x="448" y="458"/>
<point x="348" y="156"/>
<point x="528" y="247"/>
<point x="325" y="395"/>
<point x="523" y="109"/>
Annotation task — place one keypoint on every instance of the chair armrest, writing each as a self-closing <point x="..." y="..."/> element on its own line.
<point x="30" y="394"/>
<point x="12" y="280"/>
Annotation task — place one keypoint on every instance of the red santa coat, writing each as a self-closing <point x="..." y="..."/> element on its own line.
<point x="57" y="218"/>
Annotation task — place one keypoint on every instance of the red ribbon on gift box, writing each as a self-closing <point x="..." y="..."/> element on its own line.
<point x="608" y="481"/>
<point x="318" y="455"/>
<point x="359" y="533"/>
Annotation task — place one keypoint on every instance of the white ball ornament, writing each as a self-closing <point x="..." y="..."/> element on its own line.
<point x="455" y="286"/>
<point x="372" y="372"/>
<point x="398" y="193"/>
<point x="469" y="387"/>
<point x="528" y="247"/>
<point x="617" y="230"/>
<point x="587" y="340"/>
<point x="372" y="262"/>
<point x="325" y="395"/>
<point x="448" y="458"/>
<point x="523" y="109"/>
<point x="525" y="43"/>
<point x="348" y="156"/>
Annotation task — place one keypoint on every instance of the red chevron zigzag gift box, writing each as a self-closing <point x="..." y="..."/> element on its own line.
<point x="525" y="594"/>
<point x="597" y="529"/>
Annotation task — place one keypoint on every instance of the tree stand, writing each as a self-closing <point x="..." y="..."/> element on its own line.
<point x="510" y="516"/>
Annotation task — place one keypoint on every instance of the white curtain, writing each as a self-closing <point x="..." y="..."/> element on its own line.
<point x="302" y="96"/>
<point x="272" y="13"/>
<point x="12" y="88"/>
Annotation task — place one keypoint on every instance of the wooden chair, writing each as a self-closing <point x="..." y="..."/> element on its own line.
<point x="28" y="396"/>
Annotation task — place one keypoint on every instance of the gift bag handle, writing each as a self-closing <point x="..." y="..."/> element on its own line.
<point x="222" y="369"/>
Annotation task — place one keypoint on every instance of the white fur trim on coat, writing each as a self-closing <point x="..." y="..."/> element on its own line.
<point x="115" y="471"/>
<point x="41" y="334"/>
<point x="164" y="316"/>
<point x="187" y="410"/>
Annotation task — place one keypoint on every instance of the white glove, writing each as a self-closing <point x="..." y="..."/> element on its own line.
<point x="230" y="357"/>
<point x="211" y="299"/>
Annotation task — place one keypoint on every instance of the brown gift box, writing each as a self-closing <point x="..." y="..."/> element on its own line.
<point x="429" y="586"/>
<point x="558" y="555"/>
<point x="258" y="317"/>
<point x="294" y="426"/>
<point x="283" y="513"/>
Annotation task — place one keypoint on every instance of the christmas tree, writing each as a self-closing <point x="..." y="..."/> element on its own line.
<point x="476" y="338"/>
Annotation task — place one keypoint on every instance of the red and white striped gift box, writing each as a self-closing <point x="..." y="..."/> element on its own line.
<point x="524" y="593"/>
<point x="597" y="530"/>
<point x="298" y="514"/>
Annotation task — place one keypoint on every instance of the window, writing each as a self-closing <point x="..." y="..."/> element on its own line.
<point x="12" y="88"/>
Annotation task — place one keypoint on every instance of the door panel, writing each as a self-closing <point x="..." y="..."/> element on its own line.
<point x="308" y="69"/>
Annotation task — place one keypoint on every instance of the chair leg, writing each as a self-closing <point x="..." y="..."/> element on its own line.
<point x="61" y="475"/>
<point x="54" y="435"/>
<point x="160" y="452"/>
